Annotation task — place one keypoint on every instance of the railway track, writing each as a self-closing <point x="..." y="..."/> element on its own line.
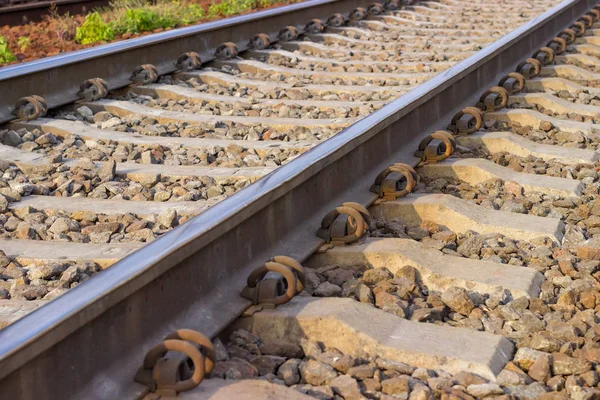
<point x="478" y="280"/>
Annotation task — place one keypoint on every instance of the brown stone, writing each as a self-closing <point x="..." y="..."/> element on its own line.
<point x="562" y="364"/>
<point x="540" y="370"/>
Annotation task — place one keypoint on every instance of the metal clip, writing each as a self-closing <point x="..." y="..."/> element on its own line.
<point x="93" y="89"/>
<point x="167" y="376"/>
<point x="514" y="82"/>
<point x="436" y="147"/>
<point x="545" y="55"/>
<point x="346" y="224"/>
<point x="189" y="61"/>
<point x="559" y="44"/>
<point x="275" y="291"/>
<point x="493" y="99"/>
<point x="468" y="120"/>
<point x="260" y="41"/>
<point x="30" y="107"/>
<point x="395" y="181"/>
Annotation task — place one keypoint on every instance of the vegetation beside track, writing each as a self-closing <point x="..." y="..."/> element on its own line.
<point x="123" y="19"/>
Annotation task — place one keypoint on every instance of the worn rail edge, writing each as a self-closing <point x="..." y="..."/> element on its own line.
<point x="57" y="78"/>
<point x="93" y="337"/>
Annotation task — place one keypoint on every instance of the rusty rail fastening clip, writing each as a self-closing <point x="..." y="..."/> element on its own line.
<point x="144" y="74"/>
<point x="93" y="89"/>
<point x="260" y="41"/>
<point x="288" y="33"/>
<point x="531" y="67"/>
<point x="396" y="181"/>
<point x="336" y="19"/>
<point x="166" y="375"/>
<point x="345" y="224"/>
<point x="514" y="82"/>
<point x="579" y="28"/>
<point x="375" y="9"/>
<point x="559" y="43"/>
<point x="391" y="5"/>
<point x="30" y="107"/>
<point x="587" y="19"/>
<point x="468" y="120"/>
<point x="594" y="14"/>
<point x="544" y="55"/>
<point x="493" y="99"/>
<point x="189" y="61"/>
<point x="314" y="26"/>
<point x="275" y="291"/>
<point x="357" y="14"/>
<point x="226" y="51"/>
<point x="436" y="147"/>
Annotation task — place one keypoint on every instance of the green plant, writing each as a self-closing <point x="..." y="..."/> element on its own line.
<point x="227" y="8"/>
<point x="23" y="43"/>
<point x="94" y="30"/>
<point x="191" y="13"/>
<point x="136" y="20"/>
<point x="5" y="54"/>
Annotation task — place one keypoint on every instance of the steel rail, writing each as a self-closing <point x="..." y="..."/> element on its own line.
<point x="93" y="337"/>
<point x="57" y="79"/>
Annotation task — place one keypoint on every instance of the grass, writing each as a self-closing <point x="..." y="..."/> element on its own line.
<point x="94" y="30"/>
<point x="23" y="43"/>
<point x="138" y="16"/>
<point x="5" y="54"/>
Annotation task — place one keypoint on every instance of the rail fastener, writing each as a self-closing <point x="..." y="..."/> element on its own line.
<point x="397" y="180"/>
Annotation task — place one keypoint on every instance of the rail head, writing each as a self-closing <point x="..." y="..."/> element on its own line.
<point x="366" y="146"/>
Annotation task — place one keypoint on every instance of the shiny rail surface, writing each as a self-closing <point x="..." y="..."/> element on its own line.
<point x="191" y="276"/>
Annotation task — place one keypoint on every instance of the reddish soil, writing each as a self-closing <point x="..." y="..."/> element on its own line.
<point x="52" y="37"/>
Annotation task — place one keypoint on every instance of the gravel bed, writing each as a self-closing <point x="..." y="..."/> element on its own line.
<point x="226" y="130"/>
<point x="85" y="226"/>
<point x="385" y="56"/>
<point x="295" y="93"/>
<point x="250" y="110"/>
<point x="401" y="46"/>
<point x="391" y="35"/>
<point x="579" y="97"/>
<point x="327" y="373"/>
<point x="74" y="147"/>
<point x="388" y="82"/>
<point x="85" y="179"/>
<point x="44" y="281"/>
<point x="329" y="67"/>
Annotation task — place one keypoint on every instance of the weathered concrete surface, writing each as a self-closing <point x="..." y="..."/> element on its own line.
<point x="534" y="118"/>
<point x="477" y="170"/>
<point x="364" y="331"/>
<point x="108" y="206"/>
<point x="42" y="251"/>
<point x="554" y="104"/>
<point x="438" y="271"/>
<point x="497" y="142"/>
<point x="125" y="108"/>
<point x="64" y="128"/>
<point x="460" y="215"/>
